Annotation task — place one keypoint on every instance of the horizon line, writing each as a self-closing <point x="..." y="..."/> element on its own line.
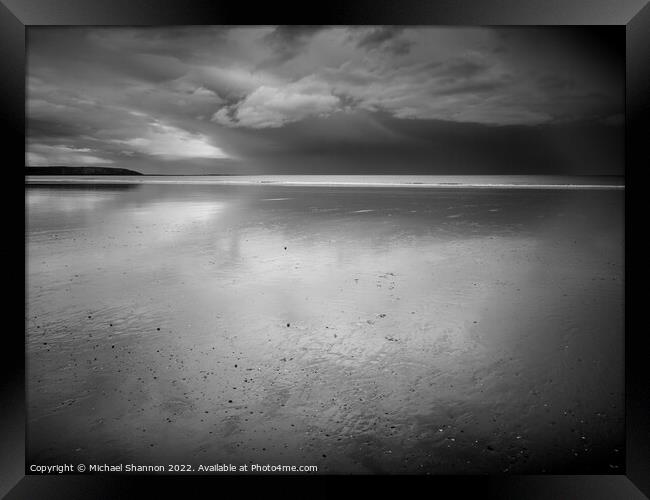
<point x="260" y="181"/>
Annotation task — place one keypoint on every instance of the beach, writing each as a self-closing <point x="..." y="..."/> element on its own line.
<point x="361" y="329"/>
<point x="362" y="181"/>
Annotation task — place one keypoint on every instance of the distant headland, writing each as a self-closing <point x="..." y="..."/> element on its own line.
<point x="58" y="170"/>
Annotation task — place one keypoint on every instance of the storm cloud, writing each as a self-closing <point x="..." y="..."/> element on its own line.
<point x="295" y="99"/>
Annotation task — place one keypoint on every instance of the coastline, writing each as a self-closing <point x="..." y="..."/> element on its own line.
<point x="443" y="182"/>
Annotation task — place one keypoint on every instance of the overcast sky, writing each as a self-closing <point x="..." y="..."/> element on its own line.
<point x="327" y="100"/>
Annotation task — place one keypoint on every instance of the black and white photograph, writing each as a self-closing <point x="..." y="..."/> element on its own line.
<point x="325" y="250"/>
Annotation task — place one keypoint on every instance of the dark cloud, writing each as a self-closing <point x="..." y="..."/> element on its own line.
<point x="377" y="37"/>
<point x="364" y="143"/>
<point x="474" y="88"/>
<point x="288" y="41"/>
<point x="39" y="127"/>
<point x="290" y="35"/>
<point x="295" y="99"/>
<point x="555" y="83"/>
<point x="154" y="68"/>
<point x="387" y="38"/>
<point x="462" y="68"/>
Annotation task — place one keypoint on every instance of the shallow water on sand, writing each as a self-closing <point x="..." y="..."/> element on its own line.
<point x="361" y="330"/>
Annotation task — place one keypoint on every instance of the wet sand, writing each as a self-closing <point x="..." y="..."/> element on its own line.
<point x="362" y="330"/>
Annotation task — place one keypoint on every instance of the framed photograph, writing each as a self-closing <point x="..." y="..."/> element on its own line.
<point x="376" y="243"/>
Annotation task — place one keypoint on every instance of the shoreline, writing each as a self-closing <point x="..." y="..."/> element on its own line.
<point x="35" y="180"/>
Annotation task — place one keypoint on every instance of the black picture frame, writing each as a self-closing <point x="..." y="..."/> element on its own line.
<point x="633" y="16"/>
